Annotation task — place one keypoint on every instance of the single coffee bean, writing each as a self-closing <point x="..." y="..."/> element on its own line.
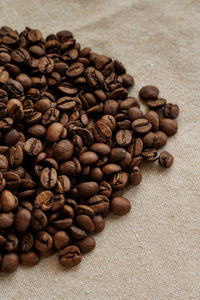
<point x="149" y="92"/>
<point x="86" y="245"/>
<point x="33" y="146"/>
<point x="152" y="117"/>
<point x="22" y="219"/>
<point x="120" y="205"/>
<point x="48" y="178"/>
<point x="6" y="220"/>
<point x="77" y="233"/>
<point x="63" y="150"/>
<point x="165" y="159"/>
<point x="101" y="132"/>
<point x="148" y="139"/>
<point x="70" y="256"/>
<point x="87" y="189"/>
<point x="13" y="180"/>
<point x="39" y="220"/>
<point x="26" y="242"/>
<point x="119" y="180"/>
<point x="160" y="139"/>
<point x="109" y="169"/>
<point x="149" y="155"/>
<point x="46" y="65"/>
<point x="44" y="200"/>
<point x="43" y="241"/>
<point x="85" y="223"/>
<point x="16" y="156"/>
<point x="9" y="263"/>
<point x="29" y="258"/>
<point x="54" y="132"/>
<point x="3" y="163"/>
<point x="135" y="113"/>
<point x="11" y="242"/>
<point x="99" y="223"/>
<point x="135" y="177"/>
<point x="156" y="104"/>
<point x="88" y="158"/>
<point x="169" y="126"/>
<point x="171" y="111"/>
<point x="123" y="137"/>
<point x="99" y="203"/>
<point x="61" y="240"/>
<point x="2" y="183"/>
<point x="141" y="126"/>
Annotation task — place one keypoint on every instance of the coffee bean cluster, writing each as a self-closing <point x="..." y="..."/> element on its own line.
<point x="70" y="140"/>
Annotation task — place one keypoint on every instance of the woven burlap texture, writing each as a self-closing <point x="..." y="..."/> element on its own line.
<point x="153" y="252"/>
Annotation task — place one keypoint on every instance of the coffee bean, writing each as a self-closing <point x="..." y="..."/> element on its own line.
<point x="26" y="242"/>
<point x="46" y="65"/>
<point x="135" y="113"/>
<point x="22" y="219"/>
<point x="9" y="262"/>
<point x="99" y="223"/>
<point x="120" y="205"/>
<point x="109" y="120"/>
<point x="87" y="189"/>
<point x="48" y="178"/>
<point x="85" y="223"/>
<point x="169" y="126"/>
<point x="61" y="240"/>
<point x="135" y="177"/>
<point x="15" y="155"/>
<point x="63" y="150"/>
<point x="88" y="158"/>
<point x="171" y="111"/>
<point x="149" y="92"/>
<point x="141" y="126"/>
<point x="77" y="233"/>
<point x="150" y="155"/>
<point x="119" y="180"/>
<point x="75" y="70"/>
<point x="43" y="241"/>
<point x="33" y="146"/>
<point x="165" y="159"/>
<point x="39" y="220"/>
<point x="160" y="139"/>
<point x="99" y="203"/>
<point x="6" y="220"/>
<point x="44" y="200"/>
<point x="70" y="256"/>
<point x="123" y="137"/>
<point x="86" y="245"/>
<point x="156" y="104"/>
<point x="13" y="180"/>
<point x="110" y="169"/>
<point x="152" y="117"/>
<point x="29" y="259"/>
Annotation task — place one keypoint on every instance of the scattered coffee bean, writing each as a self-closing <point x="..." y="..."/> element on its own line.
<point x="171" y="111"/>
<point x="165" y="159"/>
<point x="120" y="205"/>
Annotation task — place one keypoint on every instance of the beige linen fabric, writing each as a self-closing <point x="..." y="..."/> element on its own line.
<point x="152" y="253"/>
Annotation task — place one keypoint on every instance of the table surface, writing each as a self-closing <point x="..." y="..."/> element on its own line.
<point x="152" y="253"/>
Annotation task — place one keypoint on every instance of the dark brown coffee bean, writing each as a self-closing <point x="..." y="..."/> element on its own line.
<point x="44" y="200"/>
<point x="141" y="126"/>
<point x="61" y="240"/>
<point x="99" y="203"/>
<point x="12" y="180"/>
<point x="29" y="259"/>
<point x="127" y="80"/>
<point x="20" y="56"/>
<point x="110" y="121"/>
<point x="63" y="184"/>
<point x="15" y="110"/>
<point x="99" y="223"/>
<point x="14" y="88"/>
<point x="2" y="183"/>
<point x="156" y="104"/>
<point x="109" y="169"/>
<point x="135" y="113"/>
<point x="148" y="139"/>
<point x="48" y="178"/>
<point x="11" y="137"/>
<point x="87" y="189"/>
<point x="3" y="163"/>
<point x="26" y="242"/>
<point x="169" y="126"/>
<point x="171" y="111"/>
<point x="75" y="70"/>
<point x="3" y="110"/>
<point x="118" y="94"/>
<point x="6" y="123"/>
<point x="150" y="155"/>
<point x="33" y="146"/>
<point x="8" y="201"/>
<point x="22" y="219"/>
<point x="152" y="117"/>
<point x="149" y="92"/>
<point x="119" y="180"/>
<point x="165" y="159"/>
<point x="86" y="245"/>
<point x="88" y="158"/>
<point x="43" y="241"/>
<point x="135" y="177"/>
<point x="105" y="189"/>
<point x="16" y="156"/>
<point x="39" y="220"/>
<point x="77" y="233"/>
<point x="96" y="174"/>
<point x="120" y="205"/>
<point x="160" y="139"/>
<point x="70" y="256"/>
<point x="37" y="130"/>
<point x="9" y="262"/>
<point x="85" y="223"/>
<point x="111" y="107"/>
<point x="94" y="78"/>
<point x="11" y="243"/>
<point x="46" y="65"/>
<point x="123" y="137"/>
<point x="6" y="220"/>
<point x="63" y="150"/>
<point x="101" y="132"/>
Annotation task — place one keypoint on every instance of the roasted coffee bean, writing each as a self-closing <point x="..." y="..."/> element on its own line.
<point x="149" y="92"/>
<point x="109" y="120"/>
<point x="44" y="200"/>
<point x="109" y="169"/>
<point x="160" y="139"/>
<point x="15" y="156"/>
<point x="48" y="178"/>
<point x="135" y="113"/>
<point x="152" y="117"/>
<point x="11" y="242"/>
<point x="141" y="126"/>
<point x="13" y="180"/>
<point x="26" y="242"/>
<point x="43" y="241"/>
<point x="99" y="223"/>
<point x="119" y="180"/>
<point x="156" y="104"/>
<point x="22" y="219"/>
<point x="70" y="256"/>
<point x="150" y="155"/>
<point x="46" y="65"/>
<point x="171" y="111"/>
<point x="85" y="223"/>
<point x="15" y="110"/>
<point x="63" y="184"/>
<point x="63" y="150"/>
<point x="88" y="158"/>
<point x="77" y="233"/>
<point x="6" y="220"/>
<point x="120" y="205"/>
<point x="33" y="146"/>
<point x="20" y="56"/>
<point x="9" y="262"/>
<point x="169" y="126"/>
<point x="148" y="139"/>
<point x="39" y="220"/>
<point x="3" y="163"/>
<point x="3" y="110"/>
<point x="87" y="189"/>
<point x="105" y="189"/>
<point x="29" y="259"/>
<point x="86" y="245"/>
<point x="99" y="203"/>
<point x="101" y="132"/>
<point x="61" y="240"/>
<point x="135" y="177"/>
<point x="123" y="137"/>
<point x="2" y="182"/>
<point x="165" y="159"/>
<point x="8" y="201"/>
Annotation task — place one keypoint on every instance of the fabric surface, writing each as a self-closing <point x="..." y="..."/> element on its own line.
<point x="153" y="252"/>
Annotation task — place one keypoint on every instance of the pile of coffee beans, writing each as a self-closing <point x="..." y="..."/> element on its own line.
<point x="70" y="140"/>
